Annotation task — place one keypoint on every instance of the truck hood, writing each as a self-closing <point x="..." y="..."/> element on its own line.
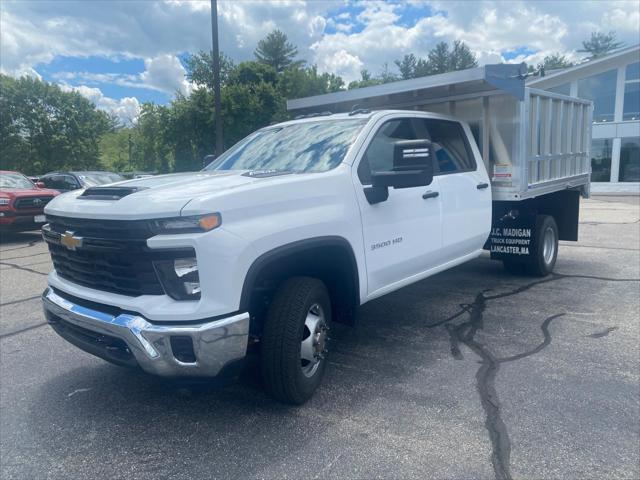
<point x="156" y="197"/>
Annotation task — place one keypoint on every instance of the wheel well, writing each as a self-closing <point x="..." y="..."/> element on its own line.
<point x="329" y="259"/>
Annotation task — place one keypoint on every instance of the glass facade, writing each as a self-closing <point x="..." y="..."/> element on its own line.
<point x="601" y="89"/>
<point x="601" y="160"/>
<point x="630" y="160"/>
<point x="631" y="109"/>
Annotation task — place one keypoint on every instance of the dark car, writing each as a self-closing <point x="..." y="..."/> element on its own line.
<point x="22" y="202"/>
<point x="67" y="181"/>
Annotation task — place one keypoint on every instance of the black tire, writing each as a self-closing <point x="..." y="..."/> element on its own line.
<point x="284" y="328"/>
<point x="514" y="267"/>
<point x="540" y="265"/>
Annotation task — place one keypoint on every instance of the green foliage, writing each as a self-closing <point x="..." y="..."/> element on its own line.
<point x="43" y="128"/>
<point x="296" y="82"/>
<point x="366" y="80"/>
<point x="249" y="73"/>
<point x="276" y="50"/>
<point x="556" y="61"/>
<point x="200" y="68"/>
<point x="407" y="66"/>
<point x="440" y="59"/>
<point x="600" y="44"/>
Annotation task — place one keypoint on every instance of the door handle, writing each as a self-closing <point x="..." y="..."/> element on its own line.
<point x="430" y="194"/>
<point x="482" y="186"/>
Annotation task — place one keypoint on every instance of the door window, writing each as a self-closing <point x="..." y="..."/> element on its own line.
<point x="451" y="149"/>
<point x="379" y="154"/>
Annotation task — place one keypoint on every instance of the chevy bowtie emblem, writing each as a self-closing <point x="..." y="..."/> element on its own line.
<point x="68" y="240"/>
<point x="37" y="201"/>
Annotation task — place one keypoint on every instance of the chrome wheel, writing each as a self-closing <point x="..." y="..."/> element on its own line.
<point x="314" y="340"/>
<point x="549" y="245"/>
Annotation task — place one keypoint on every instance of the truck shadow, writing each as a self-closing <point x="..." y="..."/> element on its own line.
<point x="19" y="239"/>
<point x="402" y="339"/>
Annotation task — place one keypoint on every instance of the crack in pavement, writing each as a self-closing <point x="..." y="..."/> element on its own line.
<point x="20" y="267"/>
<point x="30" y="244"/>
<point x="26" y="329"/>
<point x="24" y="256"/>
<point x="601" y="248"/>
<point x="610" y="223"/>
<point x="464" y="333"/>
<point x="19" y="301"/>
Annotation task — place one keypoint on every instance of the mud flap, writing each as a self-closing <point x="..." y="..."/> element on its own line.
<point x="512" y="235"/>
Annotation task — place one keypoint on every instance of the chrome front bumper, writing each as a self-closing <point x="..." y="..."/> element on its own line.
<point x="130" y="339"/>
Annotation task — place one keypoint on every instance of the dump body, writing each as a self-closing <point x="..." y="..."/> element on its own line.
<point x="533" y="142"/>
<point x="531" y="147"/>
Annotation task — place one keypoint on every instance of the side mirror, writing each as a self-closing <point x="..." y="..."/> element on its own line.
<point x="40" y="185"/>
<point x="412" y="167"/>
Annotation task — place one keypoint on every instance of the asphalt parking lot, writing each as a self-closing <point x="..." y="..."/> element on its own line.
<point x="472" y="373"/>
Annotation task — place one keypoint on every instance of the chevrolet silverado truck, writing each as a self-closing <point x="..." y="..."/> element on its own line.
<point x="291" y="229"/>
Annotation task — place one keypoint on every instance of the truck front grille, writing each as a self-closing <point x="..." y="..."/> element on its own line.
<point x="113" y="256"/>
<point x="31" y="203"/>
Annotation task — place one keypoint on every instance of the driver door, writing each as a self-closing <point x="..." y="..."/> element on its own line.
<point x="402" y="235"/>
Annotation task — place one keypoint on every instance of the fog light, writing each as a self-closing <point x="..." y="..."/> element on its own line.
<point x="179" y="278"/>
<point x="185" y="266"/>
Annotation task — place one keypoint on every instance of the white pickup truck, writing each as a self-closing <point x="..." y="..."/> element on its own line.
<point x="291" y="229"/>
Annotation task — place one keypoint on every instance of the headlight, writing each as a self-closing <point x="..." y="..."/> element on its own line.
<point x="4" y="201"/>
<point x="193" y="224"/>
<point x="179" y="277"/>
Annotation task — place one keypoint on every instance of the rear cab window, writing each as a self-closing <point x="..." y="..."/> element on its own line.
<point x="451" y="150"/>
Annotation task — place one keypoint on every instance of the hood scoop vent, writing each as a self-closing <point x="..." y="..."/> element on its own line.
<point x="108" y="193"/>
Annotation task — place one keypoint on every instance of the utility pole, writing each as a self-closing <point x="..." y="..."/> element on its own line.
<point x="130" y="147"/>
<point x="215" y="54"/>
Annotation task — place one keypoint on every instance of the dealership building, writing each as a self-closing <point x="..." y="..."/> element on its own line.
<point x="613" y="84"/>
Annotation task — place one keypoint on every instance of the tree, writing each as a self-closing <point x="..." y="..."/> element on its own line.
<point x="461" y="57"/>
<point x="43" y="128"/>
<point x="407" y="66"/>
<point x="296" y="82"/>
<point x="440" y="59"/>
<point x="200" y="68"/>
<point x="555" y="61"/>
<point x="276" y="50"/>
<point x="600" y="44"/>
<point x="366" y="80"/>
<point x="386" y="76"/>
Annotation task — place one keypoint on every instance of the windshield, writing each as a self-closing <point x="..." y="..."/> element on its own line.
<point x="95" y="179"/>
<point x="300" y="147"/>
<point x="15" y="180"/>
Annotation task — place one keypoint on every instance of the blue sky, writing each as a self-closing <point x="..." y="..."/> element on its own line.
<point x="120" y="54"/>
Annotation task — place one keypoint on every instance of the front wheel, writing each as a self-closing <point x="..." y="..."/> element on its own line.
<point x="295" y="341"/>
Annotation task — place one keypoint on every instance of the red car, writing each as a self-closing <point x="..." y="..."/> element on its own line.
<point x="22" y="202"/>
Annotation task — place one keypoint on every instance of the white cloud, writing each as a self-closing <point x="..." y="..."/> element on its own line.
<point x="368" y="35"/>
<point x="165" y="73"/>
<point x="126" y="109"/>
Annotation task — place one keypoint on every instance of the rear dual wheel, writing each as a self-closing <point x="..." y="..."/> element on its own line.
<point x="544" y="251"/>
<point x="295" y="340"/>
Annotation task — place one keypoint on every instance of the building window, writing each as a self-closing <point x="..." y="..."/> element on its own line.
<point x="601" y="160"/>
<point x="564" y="89"/>
<point x="631" y="110"/>
<point x="601" y="89"/>
<point x="630" y="160"/>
